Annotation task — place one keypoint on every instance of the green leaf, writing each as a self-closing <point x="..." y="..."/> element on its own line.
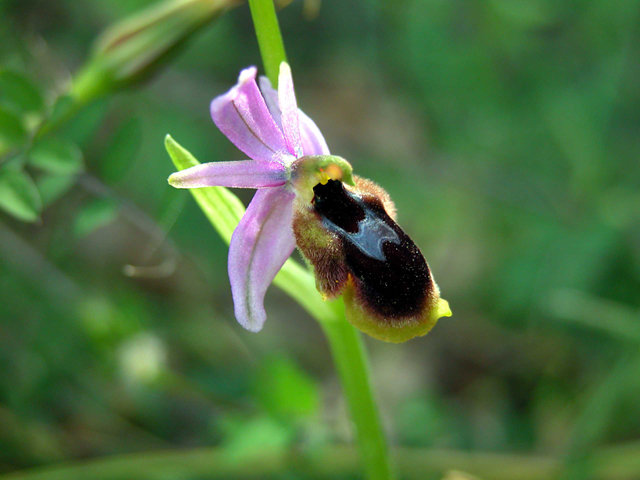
<point x="12" y="131"/>
<point x="19" y="93"/>
<point x="18" y="195"/>
<point x="224" y="210"/>
<point x="94" y="215"/>
<point x="55" y="155"/>
<point x="285" y="390"/>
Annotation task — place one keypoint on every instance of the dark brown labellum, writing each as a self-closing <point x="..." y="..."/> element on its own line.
<point x="390" y="275"/>
<point x="357" y="250"/>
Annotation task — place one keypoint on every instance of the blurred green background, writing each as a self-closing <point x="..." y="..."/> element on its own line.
<point x="506" y="131"/>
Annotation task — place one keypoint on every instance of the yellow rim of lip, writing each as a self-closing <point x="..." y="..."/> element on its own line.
<point x="398" y="331"/>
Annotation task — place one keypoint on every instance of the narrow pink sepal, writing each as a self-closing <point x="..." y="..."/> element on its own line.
<point x="261" y="243"/>
<point x="313" y="143"/>
<point x="270" y="96"/>
<point x="242" y="115"/>
<point x="242" y="174"/>
<point x="289" y="109"/>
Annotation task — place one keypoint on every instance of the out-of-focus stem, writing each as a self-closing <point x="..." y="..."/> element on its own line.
<point x="352" y="363"/>
<point x="134" y="49"/>
<point x="611" y="463"/>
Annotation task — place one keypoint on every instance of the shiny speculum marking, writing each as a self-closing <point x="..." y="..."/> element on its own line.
<point x="389" y="271"/>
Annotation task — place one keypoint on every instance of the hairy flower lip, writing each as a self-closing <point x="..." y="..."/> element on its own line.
<point x="358" y="250"/>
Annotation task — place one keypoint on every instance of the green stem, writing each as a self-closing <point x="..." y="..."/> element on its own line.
<point x="270" y="42"/>
<point x="351" y="361"/>
<point x="346" y="345"/>
<point x="350" y="357"/>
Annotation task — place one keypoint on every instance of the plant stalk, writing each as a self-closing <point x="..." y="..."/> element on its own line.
<point x="270" y="41"/>
<point x="351" y="361"/>
<point x="346" y="344"/>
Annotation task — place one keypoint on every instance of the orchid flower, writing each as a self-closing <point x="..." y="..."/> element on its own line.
<point x="343" y="225"/>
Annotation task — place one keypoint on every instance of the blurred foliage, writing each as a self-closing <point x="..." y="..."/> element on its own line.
<point x="506" y="131"/>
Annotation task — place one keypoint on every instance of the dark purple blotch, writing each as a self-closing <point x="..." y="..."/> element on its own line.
<point x="390" y="274"/>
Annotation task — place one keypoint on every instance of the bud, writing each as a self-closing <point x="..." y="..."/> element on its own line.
<point x="132" y="50"/>
<point x="350" y="237"/>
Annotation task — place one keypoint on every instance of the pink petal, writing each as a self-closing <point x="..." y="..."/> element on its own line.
<point x="261" y="243"/>
<point x="270" y="95"/>
<point x="242" y="115"/>
<point x="313" y="143"/>
<point x="242" y="174"/>
<point x="289" y="109"/>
